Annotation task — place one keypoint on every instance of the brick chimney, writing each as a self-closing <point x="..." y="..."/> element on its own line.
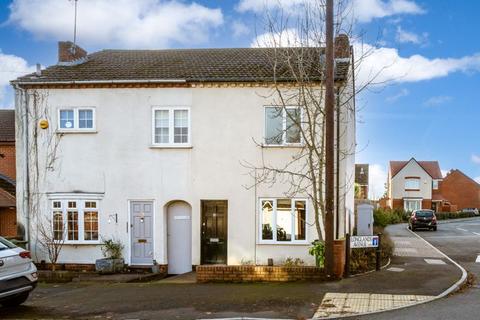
<point x="67" y="52"/>
<point x="342" y="46"/>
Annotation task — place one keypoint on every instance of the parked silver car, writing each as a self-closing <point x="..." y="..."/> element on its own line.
<point x="18" y="274"/>
<point x="472" y="210"/>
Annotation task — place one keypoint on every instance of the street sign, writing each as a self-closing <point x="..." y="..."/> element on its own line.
<point x="363" y="242"/>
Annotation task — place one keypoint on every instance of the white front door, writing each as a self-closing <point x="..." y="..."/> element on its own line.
<point x="141" y="218"/>
<point x="179" y="238"/>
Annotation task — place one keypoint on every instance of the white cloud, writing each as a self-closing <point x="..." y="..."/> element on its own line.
<point x="437" y="100"/>
<point x="367" y="10"/>
<point x="286" y="38"/>
<point x="382" y="64"/>
<point x="403" y="93"/>
<point x="259" y="6"/>
<point x="11" y="67"/>
<point x="377" y="179"/>
<point x="477" y="179"/>
<point x="475" y="159"/>
<point x="240" y="29"/>
<point x="444" y="172"/>
<point x="122" y="23"/>
<point x="404" y="36"/>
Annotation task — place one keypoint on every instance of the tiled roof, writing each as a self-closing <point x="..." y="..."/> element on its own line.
<point x="7" y="184"/>
<point x="431" y="167"/>
<point x="191" y="65"/>
<point x="6" y="199"/>
<point x="7" y="125"/>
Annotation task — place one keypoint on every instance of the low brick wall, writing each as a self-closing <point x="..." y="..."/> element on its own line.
<point x="222" y="273"/>
<point x="67" y="267"/>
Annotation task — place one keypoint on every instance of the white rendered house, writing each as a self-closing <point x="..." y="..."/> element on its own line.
<point x="147" y="146"/>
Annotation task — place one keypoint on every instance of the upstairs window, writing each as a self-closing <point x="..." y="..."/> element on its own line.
<point x="435" y="184"/>
<point x="412" y="183"/>
<point x="76" y="119"/>
<point x="282" y="125"/>
<point x="171" y="126"/>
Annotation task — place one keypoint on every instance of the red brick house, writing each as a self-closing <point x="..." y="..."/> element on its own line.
<point x="460" y="190"/>
<point x="8" y="226"/>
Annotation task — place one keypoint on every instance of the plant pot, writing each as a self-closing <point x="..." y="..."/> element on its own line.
<point x="107" y="265"/>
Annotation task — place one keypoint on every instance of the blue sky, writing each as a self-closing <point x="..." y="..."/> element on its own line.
<point x="428" y="108"/>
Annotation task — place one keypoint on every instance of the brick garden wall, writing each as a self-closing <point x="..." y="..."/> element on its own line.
<point x="221" y="273"/>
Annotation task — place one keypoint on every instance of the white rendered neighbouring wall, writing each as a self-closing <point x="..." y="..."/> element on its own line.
<point x="118" y="164"/>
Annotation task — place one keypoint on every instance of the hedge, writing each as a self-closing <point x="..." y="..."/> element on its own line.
<point x="384" y="217"/>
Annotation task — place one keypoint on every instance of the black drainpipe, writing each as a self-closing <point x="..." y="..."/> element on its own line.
<point x="338" y="166"/>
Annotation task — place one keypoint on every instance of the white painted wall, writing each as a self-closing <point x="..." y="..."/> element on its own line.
<point x="119" y="163"/>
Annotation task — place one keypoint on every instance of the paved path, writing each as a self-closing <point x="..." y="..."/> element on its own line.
<point x="417" y="273"/>
<point x="460" y="240"/>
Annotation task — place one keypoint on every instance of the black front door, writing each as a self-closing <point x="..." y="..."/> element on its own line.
<point x="214" y="231"/>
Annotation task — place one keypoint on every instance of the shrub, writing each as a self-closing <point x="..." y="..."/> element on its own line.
<point x="112" y="249"/>
<point x="364" y="259"/>
<point x="454" y="215"/>
<point x="384" y="217"/>
<point x="290" y="262"/>
<point x="318" y="251"/>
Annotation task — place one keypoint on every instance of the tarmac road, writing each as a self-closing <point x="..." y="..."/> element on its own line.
<point x="459" y="240"/>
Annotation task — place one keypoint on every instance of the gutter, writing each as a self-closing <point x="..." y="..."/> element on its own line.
<point x="100" y="81"/>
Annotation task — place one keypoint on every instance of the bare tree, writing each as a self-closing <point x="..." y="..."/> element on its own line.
<point x="295" y="50"/>
<point x="51" y="237"/>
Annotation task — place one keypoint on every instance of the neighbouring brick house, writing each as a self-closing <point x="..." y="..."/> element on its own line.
<point x="460" y="190"/>
<point x="8" y="226"/>
<point x="414" y="185"/>
<point x="361" y="181"/>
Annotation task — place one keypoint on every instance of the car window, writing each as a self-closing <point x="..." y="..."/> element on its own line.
<point x="5" y="244"/>
<point x="424" y="214"/>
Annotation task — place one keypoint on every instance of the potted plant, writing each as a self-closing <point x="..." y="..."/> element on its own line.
<point x="113" y="261"/>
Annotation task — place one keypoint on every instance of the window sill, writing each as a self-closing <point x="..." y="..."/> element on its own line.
<point x="171" y="146"/>
<point x="412" y="189"/>
<point x="281" y="146"/>
<point x="82" y="243"/>
<point x="75" y="131"/>
<point x="284" y="243"/>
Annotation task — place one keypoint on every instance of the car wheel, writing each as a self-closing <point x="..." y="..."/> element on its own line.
<point x="16" y="300"/>
<point x="434" y="228"/>
<point x="412" y="228"/>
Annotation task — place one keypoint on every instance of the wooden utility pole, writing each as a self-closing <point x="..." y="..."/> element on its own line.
<point x="329" y="140"/>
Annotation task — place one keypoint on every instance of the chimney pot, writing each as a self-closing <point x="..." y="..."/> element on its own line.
<point x="68" y="52"/>
<point x="38" y="72"/>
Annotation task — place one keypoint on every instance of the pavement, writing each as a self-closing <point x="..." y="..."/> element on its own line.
<point x="460" y="240"/>
<point x="409" y="279"/>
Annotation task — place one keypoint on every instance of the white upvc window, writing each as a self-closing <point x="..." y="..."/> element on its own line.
<point x="282" y="125"/>
<point x="75" y="220"/>
<point x="171" y="126"/>
<point x="435" y="184"/>
<point x="412" y="204"/>
<point x="76" y="119"/>
<point x="412" y="183"/>
<point x="283" y="221"/>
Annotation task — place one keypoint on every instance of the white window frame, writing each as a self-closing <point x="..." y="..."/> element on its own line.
<point x="171" y="127"/>
<point x="76" y="120"/>
<point x="80" y="208"/>
<point x="418" y="200"/>
<point x="435" y="184"/>
<point x="412" y="179"/>
<point x="274" y="221"/>
<point x="284" y="126"/>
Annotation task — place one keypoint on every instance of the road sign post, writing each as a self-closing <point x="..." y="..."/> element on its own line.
<point x="378" y="253"/>
<point x="347" y="256"/>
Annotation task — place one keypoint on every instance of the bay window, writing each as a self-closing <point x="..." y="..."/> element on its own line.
<point x="75" y="220"/>
<point x="283" y="220"/>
